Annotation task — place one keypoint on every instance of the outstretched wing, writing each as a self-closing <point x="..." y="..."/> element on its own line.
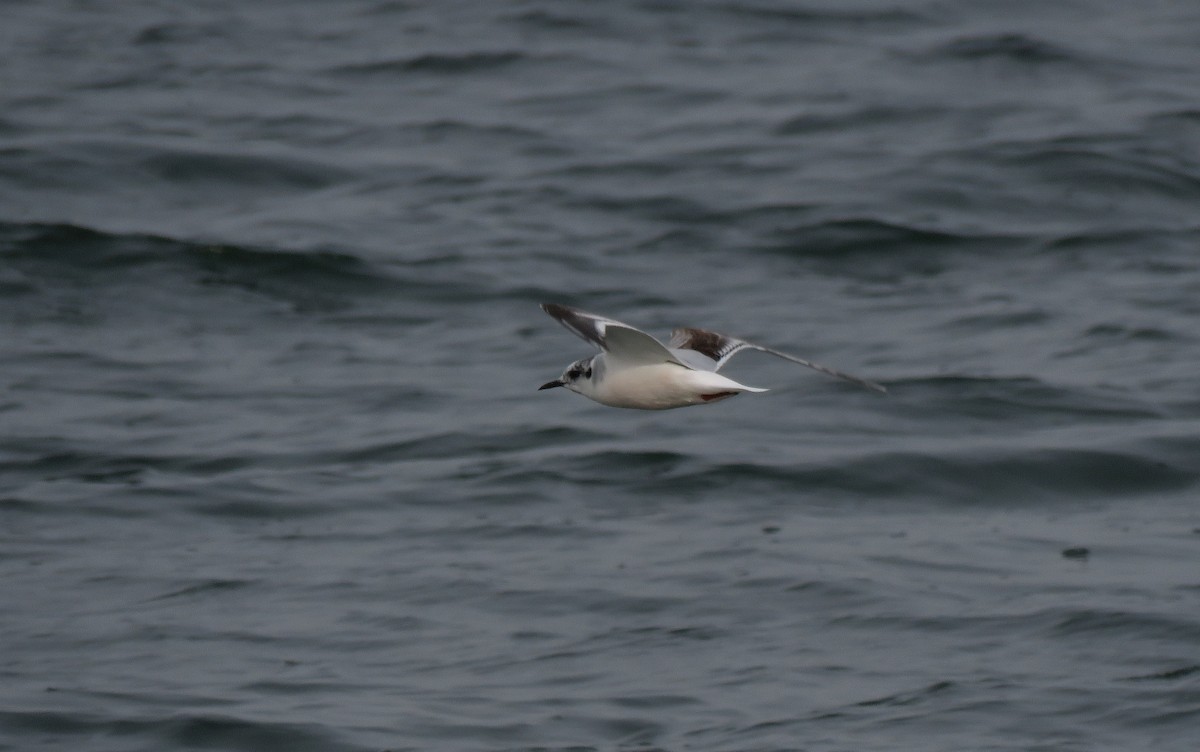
<point x="621" y="341"/>
<point x="719" y="348"/>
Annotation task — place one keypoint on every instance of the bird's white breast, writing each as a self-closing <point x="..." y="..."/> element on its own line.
<point x="661" y="386"/>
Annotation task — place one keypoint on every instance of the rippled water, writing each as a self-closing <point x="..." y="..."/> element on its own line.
<point x="274" y="475"/>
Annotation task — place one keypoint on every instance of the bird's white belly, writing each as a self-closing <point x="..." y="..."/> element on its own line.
<point x="662" y="386"/>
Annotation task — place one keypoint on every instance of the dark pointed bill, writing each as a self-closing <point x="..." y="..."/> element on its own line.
<point x="550" y="384"/>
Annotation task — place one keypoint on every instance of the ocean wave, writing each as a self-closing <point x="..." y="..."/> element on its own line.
<point x="1023" y="399"/>
<point x="873" y="116"/>
<point x="58" y="256"/>
<point x="435" y="63"/>
<point x="1008" y="46"/>
<point x="186" y="730"/>
<point x="985" y="477"/>
<point x="1098" y="166"/>
<point x="870" y="236"/>
<point x="790" y="15"/>
<point x="243" y="171"/>
<point x="1099" y="624"/>
<point x="123" y="165"/>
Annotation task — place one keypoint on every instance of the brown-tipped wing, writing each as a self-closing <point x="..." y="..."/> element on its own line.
<point x="720" y="348"/>
<point x="621" y="341"/>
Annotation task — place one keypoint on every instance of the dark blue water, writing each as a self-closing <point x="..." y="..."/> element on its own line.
<point x="274" y="474"/>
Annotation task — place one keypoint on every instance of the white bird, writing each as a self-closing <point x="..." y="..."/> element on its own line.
<point x="635" y="370"/>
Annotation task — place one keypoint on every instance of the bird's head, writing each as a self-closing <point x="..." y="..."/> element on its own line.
<point x="577" y="377"/>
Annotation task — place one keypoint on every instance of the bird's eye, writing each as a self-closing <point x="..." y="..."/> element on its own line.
<point x="588" y="373"/>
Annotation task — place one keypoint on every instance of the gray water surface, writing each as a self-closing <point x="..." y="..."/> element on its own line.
<point x="274" y="474"/>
